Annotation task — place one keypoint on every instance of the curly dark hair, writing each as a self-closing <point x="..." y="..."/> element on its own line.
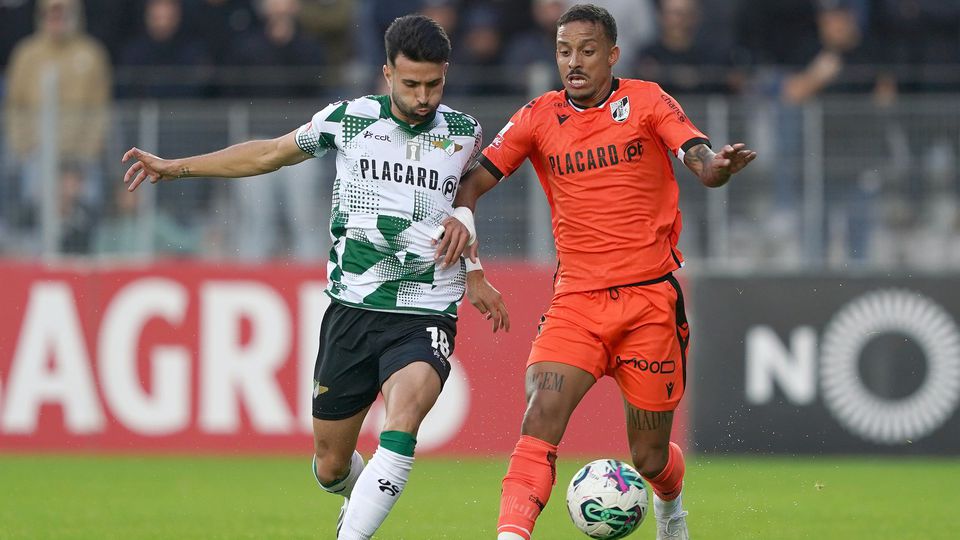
<point x="591" y="13"/>
<point x="418" y="38"/>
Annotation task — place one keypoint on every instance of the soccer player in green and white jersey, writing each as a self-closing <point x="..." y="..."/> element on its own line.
<point x="392" y="322"/>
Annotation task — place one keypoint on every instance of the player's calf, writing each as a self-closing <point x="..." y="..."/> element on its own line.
<point x="341" y="484"/>
<point x="379" y="486"/>
<point x="526" y="487"/>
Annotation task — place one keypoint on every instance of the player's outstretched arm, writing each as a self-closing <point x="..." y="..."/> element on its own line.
<point x="245" y="159"/>
<point x="483" y="295"/>
<point x="715" y="169"/>
<point x="457" y="234"/>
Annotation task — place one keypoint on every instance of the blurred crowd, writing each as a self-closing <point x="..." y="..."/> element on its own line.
<point x="783" y="52"/>
<point x="207" y="48"/>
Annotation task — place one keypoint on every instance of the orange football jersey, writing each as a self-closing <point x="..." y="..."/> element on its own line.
<point x="607" y="173"/>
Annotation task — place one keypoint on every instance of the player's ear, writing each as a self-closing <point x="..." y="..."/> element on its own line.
<point x="614" y="55"/>
<point x="388" y="74"/>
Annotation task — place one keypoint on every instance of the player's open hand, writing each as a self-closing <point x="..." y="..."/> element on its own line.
<point x="147" y="166"/>
<point x="487" y="300"/>
<point x="450" y="241"/>
<point x="732" y="159"/>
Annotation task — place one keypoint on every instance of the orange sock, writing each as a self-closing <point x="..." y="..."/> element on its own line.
<point x="669" y="482"/>
<point x="527" y="485"/>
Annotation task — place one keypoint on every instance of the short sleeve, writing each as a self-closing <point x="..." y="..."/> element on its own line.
<point x="673" y="126"/>
<point x="320" y="133"/>
<point x="477" y="147"/>
<point x="512" y="145"/>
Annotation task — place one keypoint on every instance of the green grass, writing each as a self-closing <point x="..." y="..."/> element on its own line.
<point x="106" y="497"/>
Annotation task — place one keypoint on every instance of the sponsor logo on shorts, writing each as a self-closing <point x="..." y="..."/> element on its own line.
<point x="653" y="366"/>
<point x="319" y="389"/>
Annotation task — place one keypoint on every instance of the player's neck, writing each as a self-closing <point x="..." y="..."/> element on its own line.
<point x="599" y="97"/>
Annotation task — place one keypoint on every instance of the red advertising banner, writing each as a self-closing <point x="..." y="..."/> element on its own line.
<point x="199" y="357"/>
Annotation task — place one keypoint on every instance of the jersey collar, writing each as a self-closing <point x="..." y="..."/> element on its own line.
<point x="387" y="112"/>
<point x="614" y="86"/>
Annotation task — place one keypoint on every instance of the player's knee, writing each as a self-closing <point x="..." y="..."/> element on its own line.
<point x="650" y="460"/>
<point x="331" y="467"/>
<point x="406" y="419"/>
<point x="543" y="422"/>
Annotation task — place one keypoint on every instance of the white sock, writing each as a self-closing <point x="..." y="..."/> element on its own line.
<point x="375" y="493"/>
<point x="509" y="536"/>
<point x="665" y="509"/>
<point x="343" y="487"/>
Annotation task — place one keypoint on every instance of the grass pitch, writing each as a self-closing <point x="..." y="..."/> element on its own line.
<point x="106" y="497"/>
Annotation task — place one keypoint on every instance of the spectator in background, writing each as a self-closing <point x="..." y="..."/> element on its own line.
<point x="447" y="15"/>
<point x="332" y="23"/>
<point x="537" y="45"/>
<point x="110" y="22"/>
<point x="78" y="217"/>
<point x="813" y="41"/>
<point x="636" y="28"/>
<point x="180" y="62"/>
<point x="218" y="23"/>
<point x="922" y="37"/>
<point x="16" y="20"/>
<point x="274" y="49"/>
<point x="373" y="18"/>
<point x="839" y="36"/>
<point x="127" y="230"/>
<point x="776" y="33"/>
<point x="84" y="80"/>
<point x="516" y="16"/>
<point x="679" y="60"/>
<point x="479" y="53"/>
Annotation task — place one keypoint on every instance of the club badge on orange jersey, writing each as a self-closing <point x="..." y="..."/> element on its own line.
<point x="620" y="109"/>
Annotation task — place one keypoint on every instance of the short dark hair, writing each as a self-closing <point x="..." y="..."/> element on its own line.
<point x="591" y="13"/>
<point x="417" y="37"/>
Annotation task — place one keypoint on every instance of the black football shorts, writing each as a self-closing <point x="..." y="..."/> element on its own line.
<point x="360" y="349"/>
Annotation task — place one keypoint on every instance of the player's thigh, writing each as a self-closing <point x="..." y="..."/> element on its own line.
<point x="569" y="333"/>
<point x="649" y="360"/>
<point x="553" y="391"/>
<point x="345" y="376"/>
<point x="414" y="365"/>
<point x="408" y="396"/>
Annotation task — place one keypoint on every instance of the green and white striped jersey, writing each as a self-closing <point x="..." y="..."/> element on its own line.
<point x="395" y="184"/>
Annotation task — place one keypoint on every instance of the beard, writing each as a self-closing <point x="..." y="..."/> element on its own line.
<point x="410" y="110"/>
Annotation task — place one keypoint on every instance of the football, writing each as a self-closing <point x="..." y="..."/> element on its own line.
<point x="607" y="499"/>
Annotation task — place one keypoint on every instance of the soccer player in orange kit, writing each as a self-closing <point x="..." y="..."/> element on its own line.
<point x="601" y="149"/>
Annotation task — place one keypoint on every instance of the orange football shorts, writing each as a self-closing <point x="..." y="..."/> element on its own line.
<point x="637" y="334"/>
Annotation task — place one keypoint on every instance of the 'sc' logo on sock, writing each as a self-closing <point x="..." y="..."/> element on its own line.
<point x="387" y="487"/>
